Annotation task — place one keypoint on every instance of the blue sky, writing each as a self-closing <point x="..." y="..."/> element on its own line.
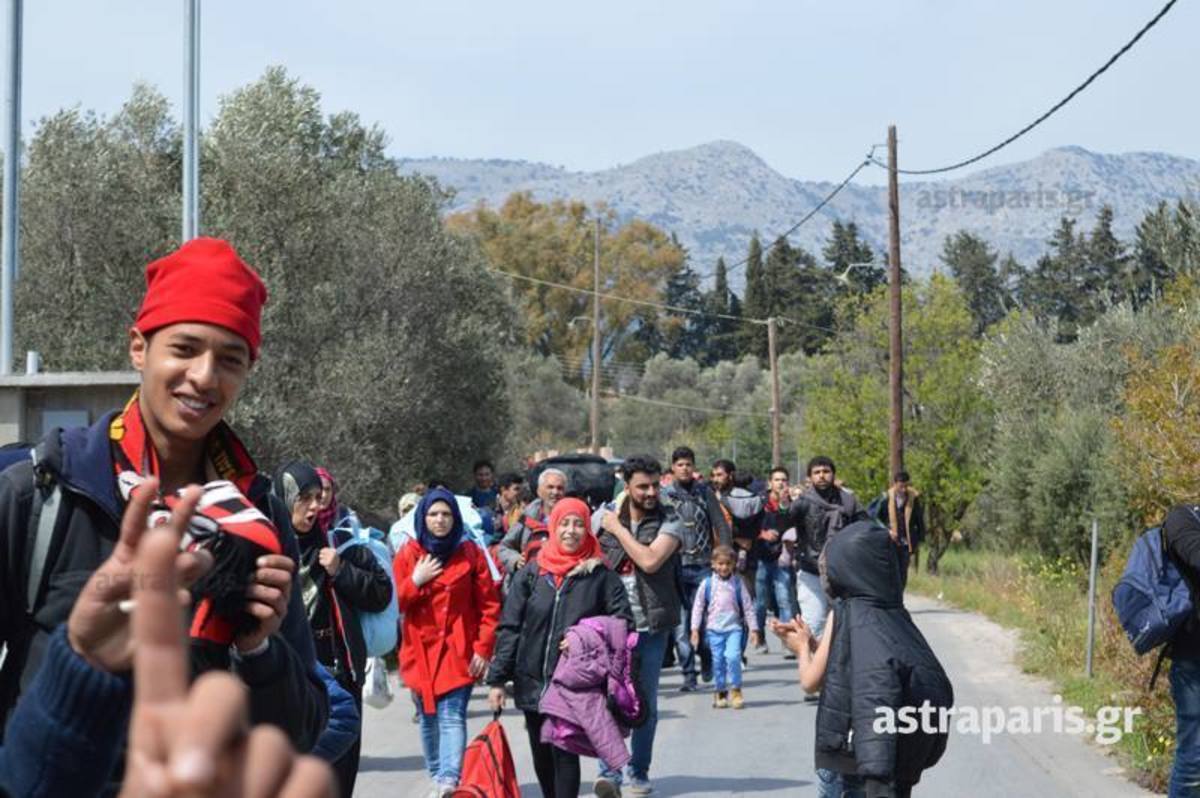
<point x="809" y="86"/>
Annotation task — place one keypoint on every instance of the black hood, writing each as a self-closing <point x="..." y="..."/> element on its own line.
<point x="862" y="562"/>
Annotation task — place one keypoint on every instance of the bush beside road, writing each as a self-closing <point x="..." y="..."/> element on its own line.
<point x="1046" y="601"/>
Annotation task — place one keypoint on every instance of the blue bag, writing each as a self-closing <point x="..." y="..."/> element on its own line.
<point x="378" y="628"/>
<point x="1152" y="598"/>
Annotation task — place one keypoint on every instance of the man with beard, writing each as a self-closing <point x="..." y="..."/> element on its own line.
<point x="704" y="528"/>
<point x="817" y="515"/>
<point x="640" y="540"/>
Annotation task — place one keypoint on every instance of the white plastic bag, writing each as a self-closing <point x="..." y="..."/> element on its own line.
<point x="377" y="691"/>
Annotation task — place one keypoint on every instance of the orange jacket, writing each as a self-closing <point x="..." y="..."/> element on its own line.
<point x="446" y="621"/>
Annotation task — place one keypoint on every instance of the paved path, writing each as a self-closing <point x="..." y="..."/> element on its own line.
<point x="766" y="750"/>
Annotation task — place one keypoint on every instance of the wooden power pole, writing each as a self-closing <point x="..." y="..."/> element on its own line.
<point x="595" y="420"/>
<point x="896" y="359"/>
<point x="776" y="450"/>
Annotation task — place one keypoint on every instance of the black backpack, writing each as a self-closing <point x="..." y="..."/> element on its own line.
<point x="697" y="542"/>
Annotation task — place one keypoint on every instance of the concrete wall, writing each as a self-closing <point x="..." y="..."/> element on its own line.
<point x="28" y="411"/>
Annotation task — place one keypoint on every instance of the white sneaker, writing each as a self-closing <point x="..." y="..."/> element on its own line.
<point x="640" y="787"/>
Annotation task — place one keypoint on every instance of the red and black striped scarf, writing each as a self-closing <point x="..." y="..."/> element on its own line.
<point x="225" y="522"/>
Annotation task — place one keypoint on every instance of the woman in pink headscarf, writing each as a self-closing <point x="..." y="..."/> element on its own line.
<point x="328" y="511"/>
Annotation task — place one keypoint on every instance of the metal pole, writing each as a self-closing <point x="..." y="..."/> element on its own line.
<point x="9" y="228"/>
<point x="596" y="340"/>
<point x="191" y="115"/>
<point x="776" y="449"/>
<point x="896" y="370"/>
<point x="1091" y="633"/>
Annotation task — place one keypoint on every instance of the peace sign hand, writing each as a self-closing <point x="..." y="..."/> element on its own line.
<point x="197" y="741"/>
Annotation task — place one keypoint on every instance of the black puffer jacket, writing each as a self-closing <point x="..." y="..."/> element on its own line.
<point x="817" y="518"/>
<point x="878" y="658"/>
<point x="536" y="616"/>
<point x="361" y="585"/>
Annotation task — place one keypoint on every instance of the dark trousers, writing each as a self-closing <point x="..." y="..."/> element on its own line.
<point x="345" y="769"/>
<point x="691" y="577"/>
<point x="557" y="770"/>
<point x="902" y="550"/>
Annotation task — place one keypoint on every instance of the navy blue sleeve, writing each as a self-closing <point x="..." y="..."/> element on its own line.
<point x="66" y="734"/>
<point x="344" y="721"/>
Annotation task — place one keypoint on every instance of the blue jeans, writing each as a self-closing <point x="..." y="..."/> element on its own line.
<point x="726" y="650"/>
<point x="651" y="647"/>
<point x="814" y="604"/>
<point x="831" y="784"/>
<point x="691" y="577"/>
<point x="1185" y="692"/>
<point x="444" y="736"/>
<point x="770" y="577"/>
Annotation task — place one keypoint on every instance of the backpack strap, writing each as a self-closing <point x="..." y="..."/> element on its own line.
<point x="43" y="516"/>
<point x="1162" y="652"/>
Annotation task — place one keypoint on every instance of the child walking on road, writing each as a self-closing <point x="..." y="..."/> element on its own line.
<point x="723" y="613"/>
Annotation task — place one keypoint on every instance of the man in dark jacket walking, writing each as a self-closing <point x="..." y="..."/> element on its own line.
<point x="640" y="541"/>
<point x="704" y="527"/>
<point x="818" y="514"/>
<point x="901" y="511"/>
<point x="194" y="341"/>
<point x="1182" y="529"/>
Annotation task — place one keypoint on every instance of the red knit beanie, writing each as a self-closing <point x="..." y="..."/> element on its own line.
<point x="205" y="282"/>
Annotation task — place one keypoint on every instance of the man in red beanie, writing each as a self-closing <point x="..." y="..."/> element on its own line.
<point x="194" y="341"/>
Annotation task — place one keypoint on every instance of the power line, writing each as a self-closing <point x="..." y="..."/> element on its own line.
<point x="675" y="406"/>
<point x="630" y="300"/>
<point x="659" y="305"/>
<point x="825" y="201"/>
<point x="1045" y="116"/>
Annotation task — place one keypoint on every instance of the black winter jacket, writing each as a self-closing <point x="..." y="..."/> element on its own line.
<point x="815" y="523"/>
<point x="284" y="687"/>
<point x="361" y="585"/>
<point x="877" y="658"/>
<point x="537" y="615"/>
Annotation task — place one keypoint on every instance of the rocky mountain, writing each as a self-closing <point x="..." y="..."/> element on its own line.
<point x="716" y="195"/>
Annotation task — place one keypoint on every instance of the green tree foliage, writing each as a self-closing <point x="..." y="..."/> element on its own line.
<point x="547" y="412"/>
<point x="684" y="336"/>
<point x="1055" y="463"/>
<point x="755" y="303"/>
<point x="374" y="311"/>
<point x="973" y="264"/>
<point x="100" y="199"/>
<point x="947" y="415"/>
<point x="721" y="339"/>
<point x="1167" y="246"/>
<point x="844" y="248"/>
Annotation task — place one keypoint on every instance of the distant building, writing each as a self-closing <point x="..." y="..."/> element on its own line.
<point x="31" y="404"/>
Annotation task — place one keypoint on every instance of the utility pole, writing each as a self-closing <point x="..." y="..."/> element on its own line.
<point x="191" y="116"/>
<point x="776" y="449"/>
<point x="596" y="341"/>
<point x="9" y="229"/>
<point x="896" y="359"/>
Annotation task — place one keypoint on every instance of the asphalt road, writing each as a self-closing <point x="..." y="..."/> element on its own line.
<point x="766" y="750"/>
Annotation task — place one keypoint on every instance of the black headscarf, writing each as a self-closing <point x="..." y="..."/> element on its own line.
<point x="290" y="483"/>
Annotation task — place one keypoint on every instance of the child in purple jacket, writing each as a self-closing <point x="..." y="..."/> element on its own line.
<point x="724" y="612"/>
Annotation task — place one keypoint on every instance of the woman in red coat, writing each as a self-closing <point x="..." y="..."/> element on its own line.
<point x="451" y="610"/>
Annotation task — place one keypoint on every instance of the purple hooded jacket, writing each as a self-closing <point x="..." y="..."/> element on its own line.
<point x="597" y="664"/>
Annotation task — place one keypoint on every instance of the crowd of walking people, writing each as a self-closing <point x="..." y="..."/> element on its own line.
<point x="566" y="600"/>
